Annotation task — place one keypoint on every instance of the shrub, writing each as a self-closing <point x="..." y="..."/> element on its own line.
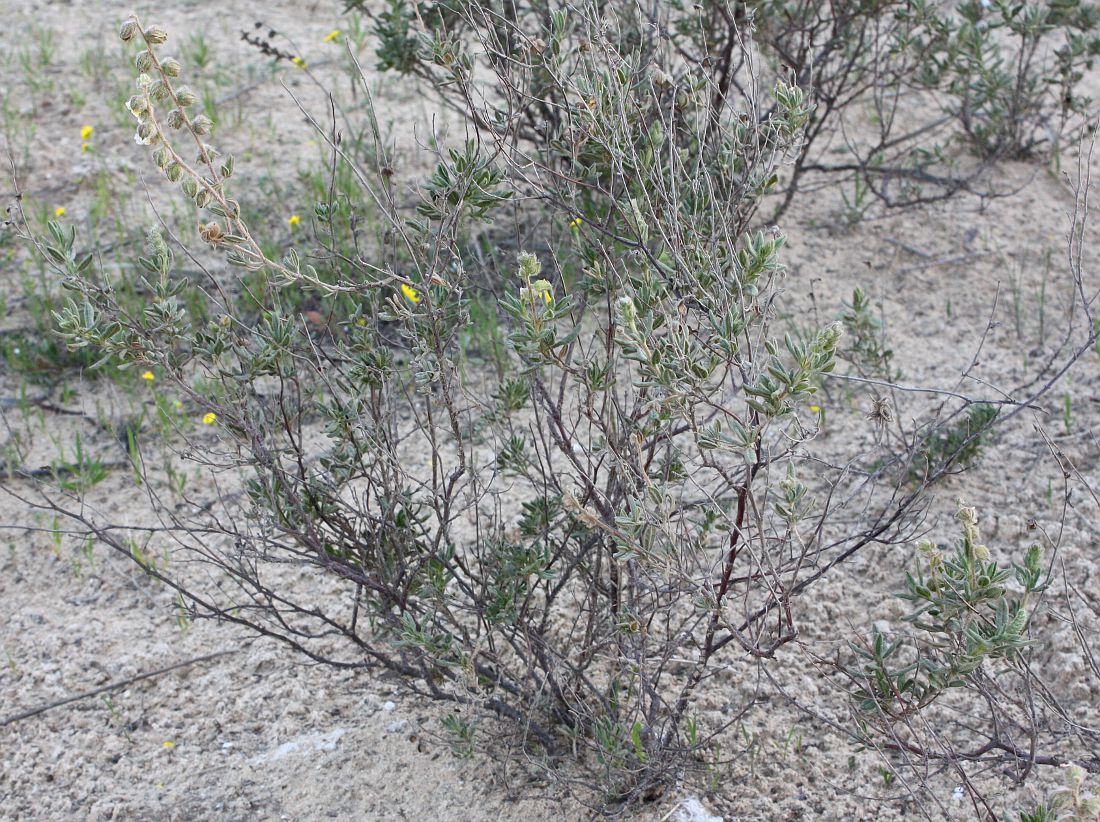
<point x="1008" y="75"/>
<point x="574" y="540"/>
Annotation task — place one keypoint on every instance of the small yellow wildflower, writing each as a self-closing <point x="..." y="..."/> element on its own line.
<point x="85" y="147"/>
<point x="59" y="211"/>
<point x="209" y="418"/>
<point x="148" y="376"/>
<point x="361" y="322"/>
<point x="294" y="220"/>
<point x="169" y="744"/>
<point x="576" y="223"/>
<point x="815" y="409"/>
<point x="332" y="35"/>
<point x="86" y="133"/>
<point x="177" y="404"/>
<point x="411" y="294"/>
<point x="299" y="62"/>
<point x="542" y="288"/>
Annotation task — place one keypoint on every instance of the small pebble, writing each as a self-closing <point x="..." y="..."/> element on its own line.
<point x="389" y="706"/>
<point x="398" y="726"/>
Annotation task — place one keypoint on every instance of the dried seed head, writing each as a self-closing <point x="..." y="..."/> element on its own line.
<point x="190" y="187"/>
<point x="202" y="124"/>
<point x="128" y="30"/>
<point x="211" y="233"/>
<point x="185" y="97"/>
<point x="143" y="61"/>
<point x="170" y="67"/>
<point x="162" y="157"/>
<point x="155" y="35"/>
<point x="174" y="172"/>
<point x="880" y="414"/>
<point x="174" y="118"/>
<point x="202" y="199"/>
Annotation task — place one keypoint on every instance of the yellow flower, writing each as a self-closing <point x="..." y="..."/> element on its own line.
<point x="361" y="322"/>
<point x="169" y="744"/>
<point x="294" y="219"/>
<point x="576" y="223"/>
<point x="177" y="404"/>
<point x="86" y="133"/>
<point x="148" y="376"/>
<point x="299" y="62"/>
<point x="410" y="293"/>
<point x="815" y="409"/>
<point x="85" y="146"/>
<point x="209" y="418"/>
<point x="332" y="35"/>
<point x="59" y="211"/>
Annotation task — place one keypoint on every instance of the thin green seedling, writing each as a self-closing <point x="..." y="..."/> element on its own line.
<point x="855" y="206"/>
<point x="197" y="51"/>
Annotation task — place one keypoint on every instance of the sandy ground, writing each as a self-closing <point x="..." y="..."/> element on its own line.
<point x="257" y="734"/>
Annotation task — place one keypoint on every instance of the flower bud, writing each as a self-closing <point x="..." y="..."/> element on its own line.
<point x="155" y="35"/>
<point x="128" y="30"/>
<point x="185" y="97"/>
<point x="628" y="313"/>
<point x="202" y="124"/>
<point x="174" y="118"/>
<point x="174" y="171"/>
<point x="202" y="198"/>
<point x="190" y="187"/>
<point x="529" y="265"/>
<point x="143" y="61"/>
<point x="171" y="67"/>
<point x="162" y="157"/>
<point x="829" y="337"/>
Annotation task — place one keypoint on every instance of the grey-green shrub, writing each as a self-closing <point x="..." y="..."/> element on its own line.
<point x="573" y="545"/>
